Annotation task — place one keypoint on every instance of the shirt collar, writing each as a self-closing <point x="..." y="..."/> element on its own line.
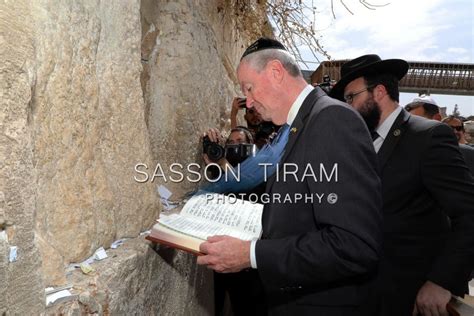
<point x="385" y="127"/>
<point x="295" y="107"/>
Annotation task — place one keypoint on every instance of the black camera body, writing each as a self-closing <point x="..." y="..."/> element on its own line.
<point x="213" y="150"/>
<point x="265" y="129"/>
<point x="326" y="84"/>
<point x="234" y="153"/>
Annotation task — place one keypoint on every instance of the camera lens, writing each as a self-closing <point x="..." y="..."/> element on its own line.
<point x="215" y="152"/>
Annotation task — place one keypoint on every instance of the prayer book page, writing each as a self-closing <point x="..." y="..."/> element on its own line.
<point x="205" y="215"/>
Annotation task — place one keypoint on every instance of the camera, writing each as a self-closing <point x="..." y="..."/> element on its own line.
<point x="234" y="153"/>
<point x="213" y="150"/>
<point x="265" y="129"/>
<point x="243" y="103"/>
<point x="326" y="84"/>
<point x="237" y="153"/>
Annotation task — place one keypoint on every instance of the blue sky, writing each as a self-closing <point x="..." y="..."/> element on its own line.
<point x="415" y="30"/>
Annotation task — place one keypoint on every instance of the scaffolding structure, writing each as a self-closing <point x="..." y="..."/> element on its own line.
<point x="422" y="77"/>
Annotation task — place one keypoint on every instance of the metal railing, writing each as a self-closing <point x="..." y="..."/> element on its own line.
<point x="422" y="77"/>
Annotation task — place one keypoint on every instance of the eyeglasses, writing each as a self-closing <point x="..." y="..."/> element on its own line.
<point x="350" y="97"/>
<point x="458" y="128"/>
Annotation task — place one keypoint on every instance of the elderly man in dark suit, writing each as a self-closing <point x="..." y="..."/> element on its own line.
<point x="424" y="181"/>
<point x="316" y="256"/>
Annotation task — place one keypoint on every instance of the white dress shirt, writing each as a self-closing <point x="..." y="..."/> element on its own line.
<point x="383" y="129"/>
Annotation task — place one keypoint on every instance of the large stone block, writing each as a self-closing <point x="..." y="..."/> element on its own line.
<point x="137" y="280"/>
<point x="89" y="128"/>
<point x="21" y="286"/>
<point x="190" y="52"/>
<point x="88" y="90"/>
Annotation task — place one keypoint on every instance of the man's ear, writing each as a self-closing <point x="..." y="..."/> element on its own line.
<point x="437" y="117"/>
<point x="379" y="92"/>
<point x="276" y="70"/>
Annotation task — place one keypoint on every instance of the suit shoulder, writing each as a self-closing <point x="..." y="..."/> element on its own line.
<point x="326" y="103"/>
<point x="421" y="125"/>
<point x="467" y="150"/>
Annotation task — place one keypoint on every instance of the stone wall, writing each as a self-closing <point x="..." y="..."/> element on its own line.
<point x="193" y="46"/>
<point x="88" y="128"/>
<point x="21" y="282"/>
<point x="89" y="89"/>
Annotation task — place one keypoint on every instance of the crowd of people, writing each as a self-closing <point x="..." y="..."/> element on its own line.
<point x="399" y="239"/>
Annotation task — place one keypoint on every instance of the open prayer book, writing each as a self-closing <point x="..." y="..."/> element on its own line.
<point x="206" y="215"/>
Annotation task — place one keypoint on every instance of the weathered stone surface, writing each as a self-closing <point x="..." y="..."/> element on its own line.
<point x="193" y="47"/>
<point x="137" y="280"/>
<point x="21" y="287"/>
<point x="89" y="130"/>
<point x="53" y="263"/>
<point x="89" y="89"/>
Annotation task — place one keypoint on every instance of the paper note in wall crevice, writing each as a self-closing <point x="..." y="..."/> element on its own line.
<point x="3" y="235"/>
<point x="13" y="254"/>
<point x="118" y="243"/>
<point x="164" y="192"/>
<point x="87" y="268"/>
<point x="165" y="195"/>
<point x="61" y="296"/>
<point x="100" y="254"/>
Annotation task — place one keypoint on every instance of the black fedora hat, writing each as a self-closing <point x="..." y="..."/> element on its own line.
<point x="364" y="65"/>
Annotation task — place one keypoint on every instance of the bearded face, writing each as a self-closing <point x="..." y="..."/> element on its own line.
<point x="360" y="98"/>
<point x="370" y="112"/>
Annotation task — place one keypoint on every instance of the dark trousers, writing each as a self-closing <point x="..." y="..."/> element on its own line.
<point x="245" y="292"/>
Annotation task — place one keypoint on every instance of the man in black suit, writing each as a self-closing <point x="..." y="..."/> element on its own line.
<point x="468" y="154"/>
<point x="458" y="128"/>
<point x="316" y="256"/>
<point x="425" y="106"/>
<point x="424" y="181"/>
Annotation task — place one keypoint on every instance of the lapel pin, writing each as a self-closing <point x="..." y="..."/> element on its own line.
<point x="396" y="132"/>
<point x="294" y="129"/>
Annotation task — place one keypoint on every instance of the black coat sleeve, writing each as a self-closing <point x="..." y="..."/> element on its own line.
<point x="451" y="184"/>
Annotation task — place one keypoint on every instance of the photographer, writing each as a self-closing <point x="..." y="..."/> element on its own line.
<point x="262" y="131"/>
<point x="243" y="288"/>
<point x="326" y="85"/>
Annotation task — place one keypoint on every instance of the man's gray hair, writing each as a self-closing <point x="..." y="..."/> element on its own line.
<point x="259" y="60"/>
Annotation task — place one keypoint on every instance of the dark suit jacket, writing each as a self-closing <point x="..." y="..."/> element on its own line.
<point x="317" y="258"/>
<point x="424" y="180"/>
<point x="468" y="154"/>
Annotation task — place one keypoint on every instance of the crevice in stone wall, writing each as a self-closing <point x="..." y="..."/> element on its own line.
<point x="149" y="49"/>
<point x="89" y="87"/>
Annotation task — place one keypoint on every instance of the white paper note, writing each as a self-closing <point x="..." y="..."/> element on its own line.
<point x="100" y="254"/>
<point x="50" y="299"/>
<point x="164" y="192"/>
<point x="13" y="253"/>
